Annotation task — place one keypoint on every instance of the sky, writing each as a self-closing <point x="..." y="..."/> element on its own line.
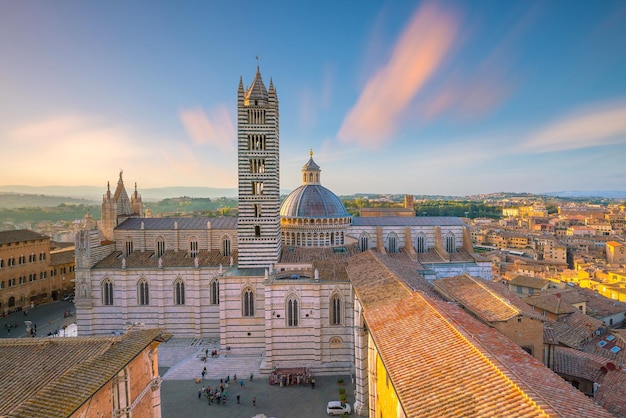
<point x="416" y="97"/>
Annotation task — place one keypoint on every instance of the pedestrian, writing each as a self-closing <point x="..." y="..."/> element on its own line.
<point x="210" y="398"/>
<point x="206" y="353"/>
<point x="238" y="398"/>
<point x="235" y="378"/>
<point x="251" y="376"/>
<point x="241" y="383"/>
<point x="312" y="383"/>
<point x="199" y="393"/>
<point x="254" y="401"/>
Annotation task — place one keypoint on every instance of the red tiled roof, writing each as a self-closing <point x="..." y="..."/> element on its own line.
<point x="449" y="364"/>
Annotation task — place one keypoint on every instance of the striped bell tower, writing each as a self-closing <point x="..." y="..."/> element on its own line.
<point x="258" y="227"/>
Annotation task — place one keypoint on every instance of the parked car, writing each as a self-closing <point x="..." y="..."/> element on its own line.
<point x="338" y="408"/>
<point x="68" y="298"/>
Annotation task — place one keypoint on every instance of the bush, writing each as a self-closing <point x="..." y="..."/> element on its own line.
<point x="340" y="381"/>
<point x="342" y="397"/>
<point x="342" y="391"/>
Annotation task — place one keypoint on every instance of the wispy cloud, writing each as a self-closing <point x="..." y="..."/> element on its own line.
<point x="215" y="129"/>
<point x="74" y="149"/>
<point x="418" y="53"/>
<point x="595" y="126"/>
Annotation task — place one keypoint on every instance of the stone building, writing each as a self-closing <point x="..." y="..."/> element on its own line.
<point x="271" y="282"/>
<point x="31" y="272"/>
<point x="81" y="376"/>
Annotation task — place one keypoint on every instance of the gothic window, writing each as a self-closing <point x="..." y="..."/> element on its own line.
<point x="392" y="243"/>
<point x="257" y="165"/>
<point x="214" y="288"/>
<point x="257" y="210"/>
<point x="143" y="296"/>
<point x="257" y="188"/>
<point x="450" y="246"/>
<point x="247" y="302"/>
<point x="420" y="243"/>
<point x="179" y="292"/>
<point x="11" y="262"/>
<point x="226" y="246"/>
<point x="107" y="292"/>
<point x="160" y="247"/>
<point x="128" y="247"/>
<point x="335" y="311"/>
<point x="293" y="313"/>
<point x="193" y="247"/>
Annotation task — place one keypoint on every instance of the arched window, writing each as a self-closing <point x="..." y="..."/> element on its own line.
<point x="226" y="245"/>
<point x="193" y="247"/>
<point x="179" y="292"/>
<point x="107" y="292"/>
<point x="215" y="292"/>
<point x="143" y="294"/>
<point x="247" y="302"/>
<point x="128" y="247"/>
<point x="420" y="243"/>
<point x="335" y="310"/>
<point x="450" y="246"/>
<point x="293" y="314"/>
<point x="257" y="231"/>
<point x="160" y="247"/>
<point x="392" y="243"/>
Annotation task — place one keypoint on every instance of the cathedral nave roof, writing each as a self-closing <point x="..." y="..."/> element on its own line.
<point x="166" y="224"/>
<point x="171" y="258"/>
<point x="407" y="221"/>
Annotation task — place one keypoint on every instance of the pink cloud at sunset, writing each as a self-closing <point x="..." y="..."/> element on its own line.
<point x="215" y="129"/>
<point x="592" y="127"/>
<point x="418" y="53"/>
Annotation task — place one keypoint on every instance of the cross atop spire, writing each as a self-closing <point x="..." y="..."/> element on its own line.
<point x="311" y="153"/>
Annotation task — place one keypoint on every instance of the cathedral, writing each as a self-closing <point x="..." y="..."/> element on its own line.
<point x="272" y="281"/>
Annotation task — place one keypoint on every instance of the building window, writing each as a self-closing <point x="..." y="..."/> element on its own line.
<point x="11" y="262"/>
<point x="215" y="292"/>
<point x="257" y="188"/>
<point x="335" y="310"/>
<point x="450" y="246"/>
<point x="1" y="263"/>
<point x="293" y="313"/>
<point x="2" y="284"/>
<point x="22" y="259"/>
<point x="107" y="292"/>
<point x="364" y="240"/>
<point x="257" y="210"/>
<point x="128" y="247"/>
<point x="143" y="294"/>
<point x="393" y="243"/>
<point x="257" y="231"/>
<point x="121" y="394"/>
<point x="420" y="243"/>
<point x="247" y="301"/>
<point x="179" y="292"/>
<point x="160" y="247"/>
<point x="226" y="246"/>
<point x="193" y="248"/>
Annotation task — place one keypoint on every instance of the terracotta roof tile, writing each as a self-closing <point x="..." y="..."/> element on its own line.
<point x="494" y="377"/>
<point x="65" y="372"/>
<point x="148" y="259"/>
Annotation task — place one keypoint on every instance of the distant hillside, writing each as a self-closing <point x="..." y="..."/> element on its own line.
<point x="14" y="200"/>
<point x="94" y="193"/>
<point x="609" y="194"/>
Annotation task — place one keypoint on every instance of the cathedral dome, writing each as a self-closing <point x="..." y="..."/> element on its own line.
<point x="312" y="201"/>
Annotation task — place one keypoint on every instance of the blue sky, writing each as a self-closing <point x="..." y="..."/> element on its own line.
<point x="439" y="97"/>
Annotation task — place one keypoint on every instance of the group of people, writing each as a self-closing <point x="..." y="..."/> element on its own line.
<point x="219" y="393"/>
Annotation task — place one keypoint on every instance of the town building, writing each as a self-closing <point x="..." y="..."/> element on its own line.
<point x="33" y="270"/>
<point x="110" y="376"/>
